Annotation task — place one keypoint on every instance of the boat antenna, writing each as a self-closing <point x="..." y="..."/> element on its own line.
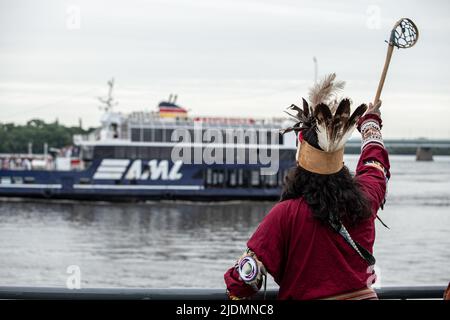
<point x="175" y="99"/>
<point x="108" y="102"/>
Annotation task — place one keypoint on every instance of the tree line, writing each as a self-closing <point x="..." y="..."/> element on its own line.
<point x="15" y="138"/>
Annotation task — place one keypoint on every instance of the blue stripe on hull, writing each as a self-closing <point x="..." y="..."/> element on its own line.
<point x="82" y="185"/>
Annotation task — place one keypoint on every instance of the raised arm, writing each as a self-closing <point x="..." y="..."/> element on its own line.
<point x="372" y="171"/>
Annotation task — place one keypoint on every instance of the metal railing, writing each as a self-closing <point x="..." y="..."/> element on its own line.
<point x="43" y="293"/>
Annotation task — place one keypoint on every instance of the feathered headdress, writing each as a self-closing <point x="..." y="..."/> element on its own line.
<point x="324" y="127"/>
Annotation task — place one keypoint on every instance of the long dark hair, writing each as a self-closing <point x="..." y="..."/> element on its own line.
<point x="334" y="196"/>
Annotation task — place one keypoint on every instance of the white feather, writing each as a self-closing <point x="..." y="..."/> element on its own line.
<point x="341" y="142"/>
<point x="325" y="142"/>
<point x="325" y="90"/>
<point x="322" y="137"/>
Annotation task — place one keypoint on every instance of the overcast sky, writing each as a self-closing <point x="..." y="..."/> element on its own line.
<point x="228" y="57"/>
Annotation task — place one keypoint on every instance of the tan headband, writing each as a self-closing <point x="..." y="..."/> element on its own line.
<point x="318" y="161"/>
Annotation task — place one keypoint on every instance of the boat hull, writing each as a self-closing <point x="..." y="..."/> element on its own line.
<point x="124" y="180"/>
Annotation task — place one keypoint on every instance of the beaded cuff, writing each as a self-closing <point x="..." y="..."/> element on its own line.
<point x="371" y="133"/>
<point x="254" y="267"/>
<point x="369" y="116"/>
<point x="377" y="165"/>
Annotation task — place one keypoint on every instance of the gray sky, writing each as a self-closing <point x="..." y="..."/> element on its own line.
<point x="228" y="58"/>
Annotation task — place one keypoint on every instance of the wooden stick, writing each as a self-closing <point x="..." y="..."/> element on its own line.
<point x="383" y="75"/>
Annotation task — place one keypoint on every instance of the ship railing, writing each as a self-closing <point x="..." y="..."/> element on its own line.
<point x="43" y="293"/>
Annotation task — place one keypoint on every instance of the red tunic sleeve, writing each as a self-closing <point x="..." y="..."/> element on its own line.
<point x="269" y="241"/>
<point x="373" y="169"/>
<point x="235" y="286"/>
<point x="268" y="244"/>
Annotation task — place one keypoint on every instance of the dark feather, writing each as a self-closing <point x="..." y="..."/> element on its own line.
<point x="291" y="115"/>
<point x="296" y="128"/>
<point x="303" y="117"/>
<point x="358" y="113"/>
<point x="305" y="108"/>
<point x="339" y="120"/>
<point x="327" y="124"/>
<point x="323" y="114"/>
<point x="343" y="109"/>
<point x="299" y="110"/>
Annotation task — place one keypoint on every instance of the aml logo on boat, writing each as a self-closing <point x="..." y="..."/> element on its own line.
<point x="114" y="169"/>
<point x="227" y="146"/>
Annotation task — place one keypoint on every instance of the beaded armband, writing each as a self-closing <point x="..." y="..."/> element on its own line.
<point x="371" y="133"/>
<point x="377" y="165"/>
<point x="250" y="269"/>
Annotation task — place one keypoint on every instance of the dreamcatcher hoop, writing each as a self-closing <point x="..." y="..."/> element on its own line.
<point x="248" y="269"/>
<point x="404" y="35"/>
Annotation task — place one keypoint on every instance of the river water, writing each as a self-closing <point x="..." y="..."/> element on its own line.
<point x="183" y="244"/>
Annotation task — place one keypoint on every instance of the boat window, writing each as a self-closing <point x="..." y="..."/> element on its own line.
<point x="28" y="179"/>
<point x="148" y="134"/>
<point x="232" y="178"/>
<point x="240" y="177"/>
<point x="220" y="177"/>
<point x="120" y="152"/>
<point x="165" y="152"/>
<point x="215" y="177"/>
<point x="143" y="153"/>
<point x="158" y="135"/>
<point x="18" y="180"/>
<point x="208" y="177"/>
<point x="168" y="135"/>
<point x="254" y="178"/>
<point x="135" y="134"/>
<point x="5" y="180"/>
<point x="133" y="152"/>
<point x="270" y="180"/>
<point x="103" y="152"/>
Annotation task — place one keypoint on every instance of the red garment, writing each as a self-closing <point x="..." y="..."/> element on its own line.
<point x="307" y="258"/>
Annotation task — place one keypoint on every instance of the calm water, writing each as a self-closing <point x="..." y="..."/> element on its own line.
<point x="191" y="244"/>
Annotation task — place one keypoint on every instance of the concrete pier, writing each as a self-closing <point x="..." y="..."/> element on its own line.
<point x="424" y="154"/>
